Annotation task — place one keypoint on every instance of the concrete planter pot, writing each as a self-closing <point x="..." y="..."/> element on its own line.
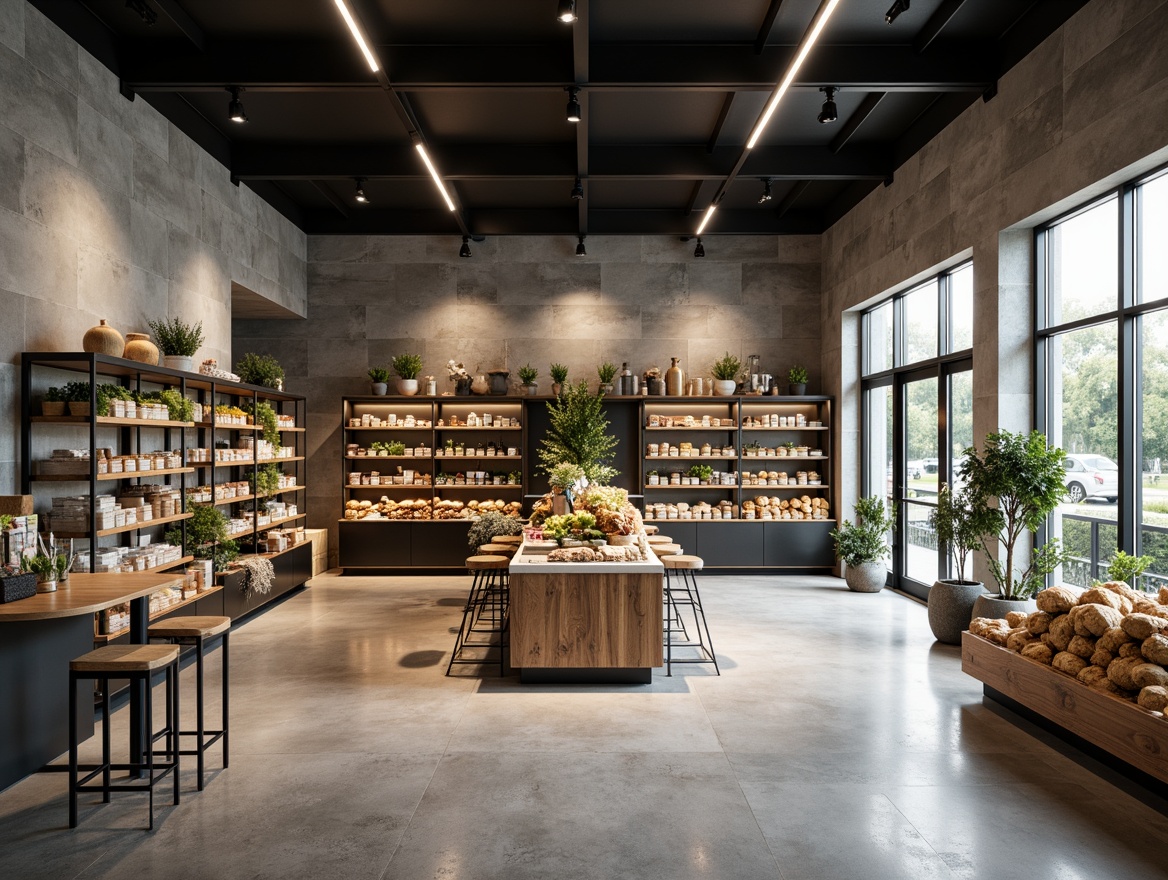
<point x="407" y="387"/>
<point x="179" y="362"/>
<point x="867" y="577"/>
<point x="995" y="608"/>
<point x="530" y="390"/>
<point x="379" y="388"/>
<point x="951" y="608"/>
<point x="724" y="387"/>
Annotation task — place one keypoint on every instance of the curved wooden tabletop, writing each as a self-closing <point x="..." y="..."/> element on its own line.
<point x="86" y="594"/>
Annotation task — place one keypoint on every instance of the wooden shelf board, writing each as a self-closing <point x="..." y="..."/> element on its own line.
<point x="247" y="463"/>
<point x="387" y="486"/>
<point x="115" y="421"/>
<point x="479" y="428"/>
<point x="282" y="519"/>
<point x="292" y="430"/>
<point x="788" y="428"/>
<point x="391" y="428"/>
<point x="132" y="475"/>
<point x="219" y="427"/>
<point x="788" y="486"/>
<point x="691" y="487"/>
<point x="101" y="533"/>
<point x="696" y="428"/>
<point x="109" y="637"/>
<point x="475" y="486"/>
<point x="733" y="458"/>
<point x="388" y="457"/>
<point x="478" y="457"/>
<point x="182" y="560"/>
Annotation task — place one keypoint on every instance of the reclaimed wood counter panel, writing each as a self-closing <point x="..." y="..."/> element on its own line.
<point x="1123" y="729"/>
<point x="87" y="593"/>
<point x="588" y="618"/>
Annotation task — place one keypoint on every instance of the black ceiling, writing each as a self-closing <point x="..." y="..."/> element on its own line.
<point x="670" y="90"/>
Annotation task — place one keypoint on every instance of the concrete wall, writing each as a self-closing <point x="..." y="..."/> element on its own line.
<point x="518" y="300"/>
<point x="108" y="211"/>
<point x="1082" y="113"/>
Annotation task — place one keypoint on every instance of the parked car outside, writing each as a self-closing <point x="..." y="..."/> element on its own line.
<point x="1091" y="476"/>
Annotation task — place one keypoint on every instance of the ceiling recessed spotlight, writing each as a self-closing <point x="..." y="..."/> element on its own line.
<point x="578" y="190"/>
<point x="829" y="113"/>
<point x="235" y="111"/>
<point x="567" y="11"/>
<point x="147" y="14"/>
<point x="464" y="251"/>
<point x="895" y="10"/>
<point x="700" y="250"/>
<point x="574" y="112"/>
<point x="580" y="252"/>
<point x="359" y="195"/>
<point x="766" y="191"/>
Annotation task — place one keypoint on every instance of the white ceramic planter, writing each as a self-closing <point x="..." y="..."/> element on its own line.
<point x="179" y="362"/>
<point x="724" y="387"/>
<point x="407" y="387"/>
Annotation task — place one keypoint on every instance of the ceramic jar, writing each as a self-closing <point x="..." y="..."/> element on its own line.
<point x="480" y="385"/>
<point x="140" y="348"/>
<point x="674" y="379"/>
<point x="103" y="339"/>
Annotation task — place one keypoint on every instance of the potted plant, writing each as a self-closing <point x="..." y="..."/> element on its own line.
<point x="797" y="380"/>
<point x="78" y="397"/>
<point x="862" y="546"/>
<point x="578" y="434"/>
<point x="492" y="525"/>
<point x="379" y="377"/>
<point x="725" y="372"/>
<point x="563" y="478"/>
<point x="703" y="472"/>
<point x="606" y="372"/>
<point x="53" y="403"/>
<point x="407" y="367"/>
<point x="206" y="536"/>
<point x="956" y="522"/>
<point x="179" y="342"/>
<point x="47" y="564"/>
<point x="460" y="377"/>
<point x="1014" y="484"/>
<point x="260" y="369"/>
<point x="559" y="374"/>
<point x="527" y="376"/>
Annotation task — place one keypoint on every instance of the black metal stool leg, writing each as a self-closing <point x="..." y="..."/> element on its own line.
<point x="72" y="749"/>
<point x="149" y="709"/>
<point x="199" y="726"/>
<point x="106" y="751"/>
<point x="225" y="693"/>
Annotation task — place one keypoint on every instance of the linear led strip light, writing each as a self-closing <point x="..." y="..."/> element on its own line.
<point x="357" y="35"/>
<point x="809" y="38"/>
<point x="421" y="148"/>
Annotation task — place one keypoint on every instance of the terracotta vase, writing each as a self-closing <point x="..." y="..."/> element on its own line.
<point x="103" y="339"/>
<point x="140" y="348"/>
<point x="674" y="379"/>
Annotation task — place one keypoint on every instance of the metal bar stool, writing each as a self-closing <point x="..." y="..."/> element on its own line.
<point x="663" y="550"/>
<point x="136" y="663"/>
<point x="485" y="614"/>
<point x="681" y="592"/>
<point x="658" y="539"/>
<point x="202" y="633"/>
<point x="515" y="540"/>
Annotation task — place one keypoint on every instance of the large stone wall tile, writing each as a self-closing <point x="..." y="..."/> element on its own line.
<point x="379" y="352"/>
<point x="654" y="286"/>
<point x="12" y="307"/>
<point x="193" y="307"/>
<point x="99" y="89"/>
<point x="920" y="211"/>
<point x="404" y="248"/>
<point x="176" y="199"/>
<point x="767" y="285"/>
<point x="341" y="322"/>
<point x="327" y="358"/>
<point x="349" y="293"/>
<point x="183" y="153"/>
<point x="145" y="298"/>
<point x="198" y="267"/>
<point x="547" y="283"/>
<point x="149" y="127"/>
<point x="476" y="353"/>
<point x="324" y="274"/>
<point x="12" y="14"/>
<point x="1096" y="26"/>
<point x="477" y="282"/>
<point x="396" y="320"/>
<point x="48" y="327"/>
<point x="106" y="152"/>
<point x="50" y="49"/>
<point x="292" y="353"/>
<point x="213" y="178"/>
<point x="588" y="322"/>
<point x="801" y="322"/>
<point x="38" y="107"/>
<point x="104" y="279"/>
<point x="735" y="322"/>
<point x="337" y="248"/>
<point x="978" y="169"/>
<point x="712" y="283"/>
<point x="610" y="249"/>
<point x="265" y="256"/>
<point x="503" y="321"/>
<point x="424" y="284"/>
<point x="799" y="249"/>
<point x="12" y="161"/>
<point x="524" y="248"/>
<point x="39" y="262"/>
<point x="1032" y="132"/>
<point x="292" y="282"/>
<point x="580" y="359"/>
<point x="732" y="248"/>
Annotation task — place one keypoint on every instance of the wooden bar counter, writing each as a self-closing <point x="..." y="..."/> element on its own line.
<point x="38" y="638"/>
<point x="585" y="621"/>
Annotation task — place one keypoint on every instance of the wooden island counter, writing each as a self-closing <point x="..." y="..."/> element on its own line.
<point x="585" y="621"/>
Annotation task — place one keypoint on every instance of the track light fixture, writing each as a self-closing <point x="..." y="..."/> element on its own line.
<point x="578" y="190"/>
<point x="464" y="251"/>
<point x="706" y="219"/>
<point x="437" y="178"/>
<point x="829" y="113"/>
<point x="580" y="252"/>
<point x="574" y="112"/>
<point x="895" y="10"/>
<point x="359" y="195"/>
<point x="358" y="36"/>
<point x="235" y="111"/>
<point x="147" y="14"/>
<point x="766" y="192"/>
<point x="567" y="11"/>
<point x="700" y="250"/>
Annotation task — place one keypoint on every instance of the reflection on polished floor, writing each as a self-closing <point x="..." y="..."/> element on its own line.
<point x="839" y="742"/>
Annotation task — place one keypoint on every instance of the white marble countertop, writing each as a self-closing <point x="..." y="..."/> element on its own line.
<point x="536" y="563"/>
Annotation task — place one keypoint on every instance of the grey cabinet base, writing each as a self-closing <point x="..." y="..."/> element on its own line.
<point x="764" y="546"/>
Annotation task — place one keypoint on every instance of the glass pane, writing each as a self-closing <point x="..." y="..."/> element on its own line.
<point x="878" y="345"/>
<point x="920" y="323"/>
<point x="1153" y="234"/>
<point x="921" y="479"/>
<point x="1083" y="418"/>
<point x="1154" y="431"/>
<point x="1154" y="543"/>
<point x="879" y="451"/>
<point x="961" y="308"/>
<point x="1084" y="267"/>
<point x="960" y="434"/>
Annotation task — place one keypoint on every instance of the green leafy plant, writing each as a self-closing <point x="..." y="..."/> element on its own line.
<point x="956" y="520"/>
<point x="179" y="408"/>
<point x="578" y="434"/>
<point x="726" y="368"/>
<point x="864" y="540"/>
<point x="1014" y="484"/>
<point x="264" y="416"/>
<point x="565" y="475"/>
<point x="797" y="375"/>
<point x="378" y="375"/>
<point x="528" y="374"/>
<point x="407" y="366"/>
<point x="606" y="372"/>
<point x="45" y="567"/>
<point x="701" y="471"/>
<point x="54" y="395"/>
<point x="609" y="498"/>
<point x="107" y="392"/>
<point x="559" y="373"/>
<point x="176" y="337"/>
<point x="265" y="480"/>
<point x="76" y="392"/>
<point x="260" y="369"/>
<point x="580" y="525"/>
<point x="1128" y="568"/>
<point x="394" y="447"/>
<point x="492" y="525"/>
<point x="206" y="536"/>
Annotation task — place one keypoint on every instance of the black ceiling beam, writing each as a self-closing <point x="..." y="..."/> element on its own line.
<point x="1041" y="20"/>
<point x="936" y="22"/>
<point x="852" y="125"/>
<point x="716" y="134"/>
<point x="173" y="10"/>
<point x="86" y="28"/>
<point x="768" y="25"/>
<point x="654" y="66"/>
<point x="791" y="197"/>
<point x="331" y="197"/>
<point x="730" y="222"/>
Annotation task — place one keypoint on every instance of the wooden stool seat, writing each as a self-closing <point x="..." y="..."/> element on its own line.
<point x="659" y="539"/>
<point x="494" y="549"/>
<point x="650" y="529"/>
<point x="126" y="658"/>
<point x="189" y="627"/>
<point x="694" y="563"/>
<point x="478" y="563"/>
<point x="666" y="549"/>
<point x="508" y="539"/>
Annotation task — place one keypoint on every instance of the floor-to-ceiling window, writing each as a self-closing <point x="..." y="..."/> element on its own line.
<point x="1102" y="345"/>
<point x="917" y="411"/>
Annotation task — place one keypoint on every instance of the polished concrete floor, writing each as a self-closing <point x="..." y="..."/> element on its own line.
<point x="839" y="742"/>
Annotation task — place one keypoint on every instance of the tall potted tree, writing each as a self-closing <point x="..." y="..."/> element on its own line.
<point x="862" y="546"/>
<point x="1015" y="483"/>
<point x="958" y="524"/>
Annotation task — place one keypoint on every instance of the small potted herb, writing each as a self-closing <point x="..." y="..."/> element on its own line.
<point x="179" y="342"/>
<point x="261" y="369"/>
<point x="559" y="374"/>
<point x="379" y="377"/>
<point x="654" y="478"/>
<point x="725" y="372"/>
<point x="527" y="376"/>
<point x="703" y="472"/>
<point x="797" y="380"/>
<point x="53" y="403"/>
<point x="606" y="372"/>
<point x="407" y="367"/>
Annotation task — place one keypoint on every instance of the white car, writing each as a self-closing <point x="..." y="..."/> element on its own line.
<point x="1089" y="476"/>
